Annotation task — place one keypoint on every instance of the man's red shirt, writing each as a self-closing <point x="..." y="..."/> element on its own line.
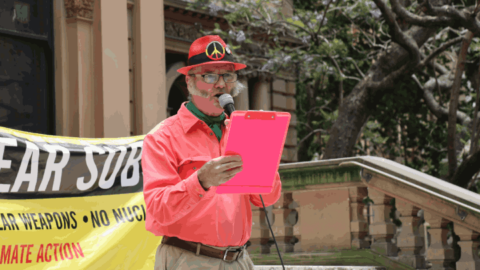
<point x="176" y="203"/>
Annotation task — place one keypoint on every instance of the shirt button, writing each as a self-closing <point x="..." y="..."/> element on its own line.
<point x="201" y="196"/>
<point x="211" y="133"/>
<point x="194" y="168"/>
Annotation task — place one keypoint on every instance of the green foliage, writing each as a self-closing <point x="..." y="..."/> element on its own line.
<point x="350" y="34"/>
<point x="474" y="49"/>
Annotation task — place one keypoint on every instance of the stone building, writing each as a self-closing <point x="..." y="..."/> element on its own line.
<point x="107" y="68"/>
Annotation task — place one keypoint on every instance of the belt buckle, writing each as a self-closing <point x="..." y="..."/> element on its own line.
<point x="226" y="252"/>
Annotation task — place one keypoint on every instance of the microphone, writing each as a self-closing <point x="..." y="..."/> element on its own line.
<point x="226" y="101"/>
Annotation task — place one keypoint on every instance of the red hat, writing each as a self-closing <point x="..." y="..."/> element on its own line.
<point x="209" y="50"/>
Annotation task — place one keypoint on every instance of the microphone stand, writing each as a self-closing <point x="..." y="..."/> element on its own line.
<point x="269" y="226"/>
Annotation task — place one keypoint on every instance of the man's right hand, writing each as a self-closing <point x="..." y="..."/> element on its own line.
<point x="216" y="171"/>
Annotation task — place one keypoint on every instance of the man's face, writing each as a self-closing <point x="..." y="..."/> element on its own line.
<point x="208" y="91"/>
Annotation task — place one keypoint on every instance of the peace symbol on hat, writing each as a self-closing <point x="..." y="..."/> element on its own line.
<point x="215" y="50"/>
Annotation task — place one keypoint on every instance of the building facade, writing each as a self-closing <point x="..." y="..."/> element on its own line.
<point x="107" y="68"/>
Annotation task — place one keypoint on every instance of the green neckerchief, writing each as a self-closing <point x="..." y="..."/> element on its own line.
<point x="214" y="122"/>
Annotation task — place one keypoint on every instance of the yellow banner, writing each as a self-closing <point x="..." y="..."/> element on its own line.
<point x="93" y="232"/>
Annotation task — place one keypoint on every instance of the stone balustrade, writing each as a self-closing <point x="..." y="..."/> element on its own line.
<point x="323" y="209"/>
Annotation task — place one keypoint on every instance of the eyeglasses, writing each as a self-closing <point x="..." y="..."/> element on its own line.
<point x="212" y="78"/>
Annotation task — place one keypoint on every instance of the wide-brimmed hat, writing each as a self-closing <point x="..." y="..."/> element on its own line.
<point x="209" y="50"/>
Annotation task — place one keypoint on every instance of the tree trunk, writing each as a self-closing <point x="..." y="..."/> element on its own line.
<point x="452" y="113"/>
<point x="466" y="170"/>
<point x="359" y="104"/>
<point x="476" y="86"/>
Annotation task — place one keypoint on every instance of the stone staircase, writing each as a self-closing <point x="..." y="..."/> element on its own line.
<point x="344" y="259"/>
<point x="332" y="267"/>
<point x="364" y="213"/>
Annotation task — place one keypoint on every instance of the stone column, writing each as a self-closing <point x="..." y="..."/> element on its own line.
<point x="286" y="217"/>
<point x="381" y="228"/>
<point x="439" y="254"/>
<point x="265" y="242"/>
<point x="112" y="88"/>
<point x="367" y="212"/>
<point x="409" y="241"/>
<point x="78" y="106"/>
<point x="150" y="70"/>
<point x="261" y="95"/>
<point x="241" y="101"/>
<point x="260" y="236"/>
<point x="257" y="231"/>
<point x="279" y="229"/>
<point x="469" y="248"/>
<point x="294" y="220"/>
<point x="358" y="224"/>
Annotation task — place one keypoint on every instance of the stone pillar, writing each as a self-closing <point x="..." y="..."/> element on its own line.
<point x="469" y="248"/>
<point x="439" y="254"/>
<point x="265" y="242"/>
<point x="260" y="236"/>
<point x="256" y="235"/>
<point x="286" y="217"/>
<point x="261" y="95"/>
<point x="292" y="232"/>
<point x="63" y="124"/>
<point x="381" y="228"/>
<point x="358" y="224"/>
<point x="78" y="108"/>
<point x="241" y="101"/>
<point x="150" y="70"/>
<point x="279" y="229"/>
<point x="409" y="241"/>
<point x="367" y="210"/>
<point x="111" y="69"/>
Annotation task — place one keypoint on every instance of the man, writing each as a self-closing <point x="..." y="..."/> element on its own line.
<point x="182" y="166"/>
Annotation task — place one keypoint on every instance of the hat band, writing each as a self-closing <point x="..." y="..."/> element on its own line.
<point x="202" y="58"/>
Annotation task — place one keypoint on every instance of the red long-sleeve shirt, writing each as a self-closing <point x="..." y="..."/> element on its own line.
<point x="176" y="203"/>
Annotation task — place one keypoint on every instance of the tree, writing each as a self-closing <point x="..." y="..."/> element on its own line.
<point x="374" y="77"/>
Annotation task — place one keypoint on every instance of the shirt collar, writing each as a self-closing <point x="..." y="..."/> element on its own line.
<point x="187" y="119"/>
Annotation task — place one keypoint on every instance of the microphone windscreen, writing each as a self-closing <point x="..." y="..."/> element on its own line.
<point x="225" y="99"/>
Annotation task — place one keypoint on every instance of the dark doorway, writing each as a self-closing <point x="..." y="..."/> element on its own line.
<point x="251" y="90"/>
<point x="177" y="95"/>
<point x="26" y="66"/>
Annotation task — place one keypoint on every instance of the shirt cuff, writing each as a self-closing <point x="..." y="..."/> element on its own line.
<point x="194" y="188"/>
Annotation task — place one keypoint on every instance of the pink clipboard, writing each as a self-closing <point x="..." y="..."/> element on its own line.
<point x="259" y="137"/>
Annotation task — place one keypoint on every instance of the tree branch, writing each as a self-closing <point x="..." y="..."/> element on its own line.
<point x="437" y="67"/>
<point x="439" y="50"/>
<point x="452" y="109"/>
<point x="355" y="64"/>
<point x="340" y="88"/>
<point x="404" y="40"/>
<point x="444" y="83"/>
<point x="389" y="80"/>
<point x="465" y="17"/>
<point x="310" y="134"/>
<point x="466" y="170"/>
<point x="323" y="18"/>
<point x="445" y="16"/>
<point x="426" y="21"/>
<point x="476" y="83"/>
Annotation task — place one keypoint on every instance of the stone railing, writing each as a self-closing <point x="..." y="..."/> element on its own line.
<point x="375" y="203"/>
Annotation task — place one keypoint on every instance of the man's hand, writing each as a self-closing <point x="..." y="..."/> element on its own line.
<point x="217" y="171"/>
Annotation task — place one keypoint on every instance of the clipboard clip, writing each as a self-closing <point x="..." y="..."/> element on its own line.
<point x="260" y="115"/>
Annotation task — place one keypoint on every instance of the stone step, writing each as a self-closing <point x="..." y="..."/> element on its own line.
<point x="315" y="267"/>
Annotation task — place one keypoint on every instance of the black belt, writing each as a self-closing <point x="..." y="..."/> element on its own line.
<point x="226" y="255"/>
